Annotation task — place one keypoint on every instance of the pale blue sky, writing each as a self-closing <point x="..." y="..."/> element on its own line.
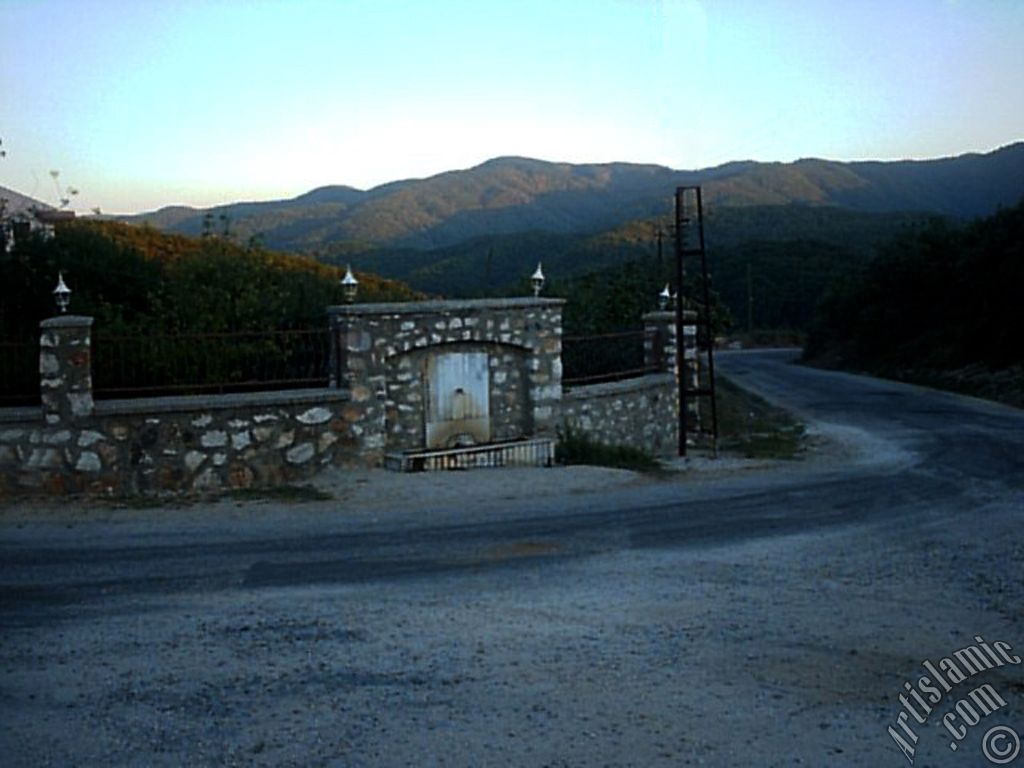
<point x="144" y="103"/>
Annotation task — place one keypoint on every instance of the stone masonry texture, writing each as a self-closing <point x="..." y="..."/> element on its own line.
<point x="182" y="444"/>
<point x="381" y="353"/>
<point x="376" y="404"/>
<point x="636" y="412"/>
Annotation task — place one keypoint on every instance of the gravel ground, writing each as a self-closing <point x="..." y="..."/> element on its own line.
<point x="776" y="652"/>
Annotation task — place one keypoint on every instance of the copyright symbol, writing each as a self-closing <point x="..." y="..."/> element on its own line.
<point x="1000" y="745"/>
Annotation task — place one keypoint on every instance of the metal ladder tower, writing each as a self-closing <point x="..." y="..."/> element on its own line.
<point x="689" y="241"/>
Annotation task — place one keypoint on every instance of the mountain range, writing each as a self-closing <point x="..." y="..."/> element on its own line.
<point x="779" y="234"/>
<point x="514" y="195"/>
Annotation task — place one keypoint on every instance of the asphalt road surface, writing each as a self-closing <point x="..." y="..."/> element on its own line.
<point x="730" y="615"/>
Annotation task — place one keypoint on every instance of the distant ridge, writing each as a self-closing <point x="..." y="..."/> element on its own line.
<point x="510" y="195"/>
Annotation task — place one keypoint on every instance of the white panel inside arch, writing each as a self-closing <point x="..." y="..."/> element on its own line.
<point x="457" y="399"/>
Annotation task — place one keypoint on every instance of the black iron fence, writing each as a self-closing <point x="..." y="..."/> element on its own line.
<point x="139" y="366"/>
<point x="209" y="363"/>
<point x="19" y="373"/>
<point x="610" y="356"/>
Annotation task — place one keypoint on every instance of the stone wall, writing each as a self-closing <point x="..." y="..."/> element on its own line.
<point x="636" y="412"/>
<point x="179" y="444"/>
<point x="508" y="390"/>
<point x="381" y="352"/>
<point x="169" y="444"/>
<point x="377" y="403"/>
<point x="640" y="412"/>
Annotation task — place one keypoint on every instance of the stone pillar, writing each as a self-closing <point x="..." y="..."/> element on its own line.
<point x="357" y="364"/>
<point x="65" y="369"/>
<point x="692" y="367"/>
<point x="660" y="341"/>
<point x="662" y="348"/>
<point x="543" y="334"/>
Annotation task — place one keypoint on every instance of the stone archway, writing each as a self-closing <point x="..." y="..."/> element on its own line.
<point x="383" y="353"/>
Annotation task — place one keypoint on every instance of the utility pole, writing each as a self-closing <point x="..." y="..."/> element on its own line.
<point x="750" y="301"/>
<point x="660" y="233"/>
<point x="487" y="272"/>
<point x="681" y="373"/>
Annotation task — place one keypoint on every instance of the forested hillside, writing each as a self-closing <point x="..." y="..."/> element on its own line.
<point x="136" y="280"/>
<point x="769" y="263"/>
<point x="940" y="306"/>
<point x="777" y="234"/>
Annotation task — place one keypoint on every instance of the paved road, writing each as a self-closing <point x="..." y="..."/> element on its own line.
<point x="748" y="617"/>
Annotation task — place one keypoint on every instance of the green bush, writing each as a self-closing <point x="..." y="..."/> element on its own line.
<point x="574" y="447"/>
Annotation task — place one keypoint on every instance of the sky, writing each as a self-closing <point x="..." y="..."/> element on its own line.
<point x="144" y="103"/>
